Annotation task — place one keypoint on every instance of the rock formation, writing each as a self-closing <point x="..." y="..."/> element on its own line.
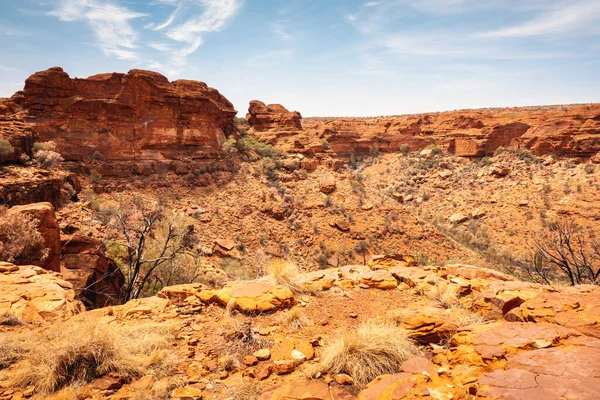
<point x="570" y="131"/>
<point x="34" y="294"/>
<point x="139" y="116"/>
<point x="264" y="118"/>
<point x="96" y="279"/>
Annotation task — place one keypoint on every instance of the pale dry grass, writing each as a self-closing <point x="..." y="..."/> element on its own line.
<point x="296" y="319"/>
<point x="445" y="295"/>
<point x="371" y="350"/>
<point x="466" y="317"/>
<point x="285" y="273"/>
<point x="7" y="318"/>
<point x="75" y="353"/>
<point x="250" y="391"/>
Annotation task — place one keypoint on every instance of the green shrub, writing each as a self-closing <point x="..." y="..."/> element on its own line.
<point x="6" y="149"/>
<point x="404" y="149"/>
<point x="246" y="144"/>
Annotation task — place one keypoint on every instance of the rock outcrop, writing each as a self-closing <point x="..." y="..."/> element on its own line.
<point x="139" y="116"/>
<point x="272" y="117"/>
<point x="563" y="130"/>
<point x="35" y="294"/>
<point x="96" y="279"/>
<point x="25" y="185"/>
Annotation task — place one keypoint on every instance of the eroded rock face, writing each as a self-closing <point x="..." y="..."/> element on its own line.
<point x="272" y="117"/>
<point x="138" y="116"/>
<point x="563" y="130"/>
<point x="34" y="294"/>
<point x="96" y="279"/>
<point x="26" y="185"/>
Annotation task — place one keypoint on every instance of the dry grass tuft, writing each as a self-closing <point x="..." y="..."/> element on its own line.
<point x="161" y="390"/>
<point x="371" y="350"/>
<point x="285" y="273"/>
<point x="74" y="353"/>
<point x="296" y="319"/>
<point x="240" y="336"/>
<point x="11" y="350"/>
<point x="250" y="391"/>
<point x="466" y="317"/>
<point x="9" y="319"/>
<point x="445" y="295"/>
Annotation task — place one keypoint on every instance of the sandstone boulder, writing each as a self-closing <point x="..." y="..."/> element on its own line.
<point x="35" y="294"/>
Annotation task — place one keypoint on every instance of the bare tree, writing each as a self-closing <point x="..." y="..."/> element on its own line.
<point x="146" y="238"/>
<point x="566" y="252"/>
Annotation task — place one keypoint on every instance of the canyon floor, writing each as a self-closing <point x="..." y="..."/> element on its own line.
<point x="153" y="246"/>
<point x="444" y="238"/>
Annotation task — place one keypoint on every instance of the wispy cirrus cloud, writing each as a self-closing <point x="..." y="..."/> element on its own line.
<point x="110" y="23"/>
<point x="578" y="16"/>
<point x="185" y="27"/>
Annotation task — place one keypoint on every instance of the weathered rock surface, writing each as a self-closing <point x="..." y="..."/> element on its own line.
<point x="272" y="117"/>
<point x="35" y="294"/>
<point x="562" y="130"/>
<point x="26" y="185"/>
<point x="43" y="214"/>
<point x="247" y="296"/>
<point x="138" y="116"/>
<point x="96" y="279"/>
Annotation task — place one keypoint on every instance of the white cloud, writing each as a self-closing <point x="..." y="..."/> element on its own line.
<point x="188" y="23"/>
<point x="215" y="16"/>
<point x="7" y="69"/>
<point x="578" y="16"/>
<point x="109" y="22"/>
<point x="280" y="29"/>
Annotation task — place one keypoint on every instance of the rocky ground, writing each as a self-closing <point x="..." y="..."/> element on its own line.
<point x="374" y="258"/>
<point x="480" y="334"/>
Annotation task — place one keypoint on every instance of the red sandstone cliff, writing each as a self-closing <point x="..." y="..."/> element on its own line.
<point x="562" y="130"/>
<point x="138" y="116"/>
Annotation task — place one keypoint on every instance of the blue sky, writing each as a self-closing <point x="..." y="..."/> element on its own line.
<point x="322" y="57"/>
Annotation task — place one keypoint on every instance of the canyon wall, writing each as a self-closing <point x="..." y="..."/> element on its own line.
<point x="139" y="116"/>
<point x="572" y="131"/>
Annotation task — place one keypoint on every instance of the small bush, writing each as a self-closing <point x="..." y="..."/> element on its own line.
<point x="229" y="147"/>
<point x="79" y="352"/>
<point x="95" y="175"/>
<point x="45" y="154"/>
<point x="285" y="273"/>
<point x="371" y="350"/>
<point x="20" y="240"/>
<point x="6" y="149"/>
<point x="246" y="143"/>
<point x="404" y="149"/>
<point x="325" y="144"/>
<point x="235" y="270"/>
<point x="296" y="319"/>
<point x="589" y="168"/>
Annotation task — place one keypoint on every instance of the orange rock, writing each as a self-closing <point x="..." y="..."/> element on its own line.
<point x="188" y="118"/>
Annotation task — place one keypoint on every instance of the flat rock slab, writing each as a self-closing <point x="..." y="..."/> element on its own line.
<point x="547" y="374"/>
<point x="307" y="390"/>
